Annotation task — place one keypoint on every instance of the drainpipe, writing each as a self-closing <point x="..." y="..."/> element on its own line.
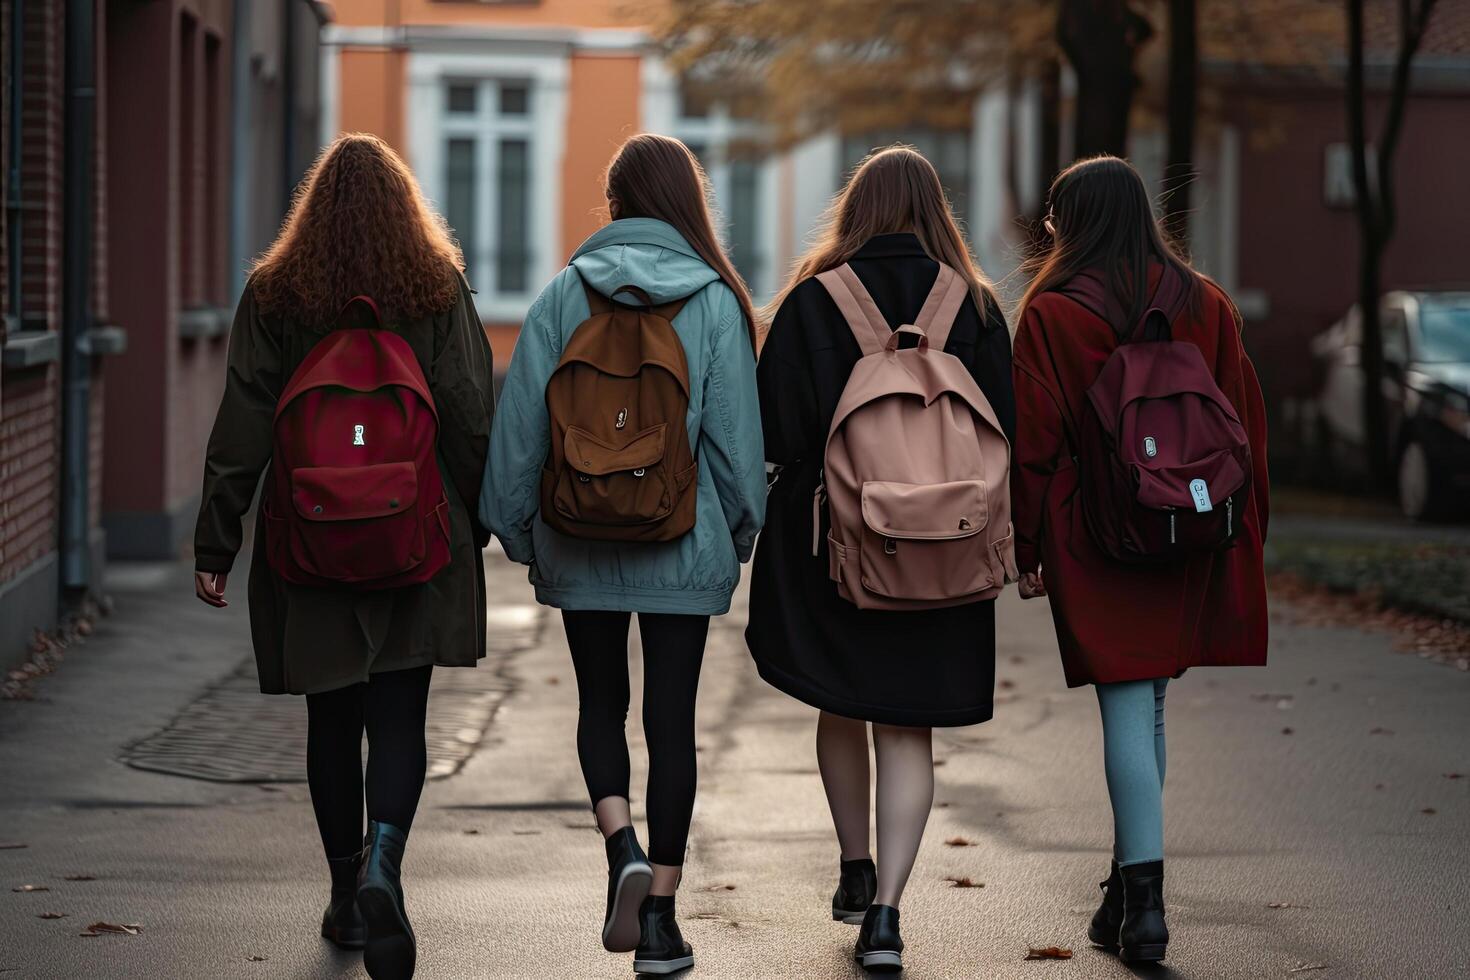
<point x="76" y="277"/>
<point x="12" y="183"/>
<point x="289" y="174"/>
<point x="241" y="173"/>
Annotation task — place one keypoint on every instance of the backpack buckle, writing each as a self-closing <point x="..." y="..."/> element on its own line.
<point x="638" y="472"/>
<point x="584" y="478"/>
<point x="890" y="546"/>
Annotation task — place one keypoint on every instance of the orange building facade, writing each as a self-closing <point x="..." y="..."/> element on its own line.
<point x="509" y="112"/>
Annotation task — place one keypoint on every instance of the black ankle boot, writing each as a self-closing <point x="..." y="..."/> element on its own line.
<point x="629" y="876"/>
<point x="341" y="922"/>
<point x="1108" y="918"/>
<point x="390" y="952"/>
<point x="856" y="887"/>
<point x="879" y="946"/>
<point x="662" y="949"/>
<point x="1143" y="936"/>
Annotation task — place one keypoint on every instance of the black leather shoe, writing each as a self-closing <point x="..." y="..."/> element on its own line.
<point x="879" y="947"/>
<point x="1143" y="936"/>
<point x="856" y="888"/>
<point x="662" y="950"/>
<point x="629" y="876"/>
<point x="390" y="952"/>
<point x="341" y="922"/>
<point x="1108" y="918"/>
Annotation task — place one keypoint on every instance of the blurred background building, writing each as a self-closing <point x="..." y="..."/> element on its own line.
<point x="150" y="149"/>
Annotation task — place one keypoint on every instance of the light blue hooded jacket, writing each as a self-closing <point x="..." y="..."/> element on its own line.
<point x="696" y="573"/>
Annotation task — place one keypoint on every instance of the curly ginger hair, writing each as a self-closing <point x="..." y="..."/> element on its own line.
<point x="359" y="224"/>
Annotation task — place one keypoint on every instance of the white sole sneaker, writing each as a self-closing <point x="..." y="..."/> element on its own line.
<point x="622" y="933"/>
<point x="663" y="967"/>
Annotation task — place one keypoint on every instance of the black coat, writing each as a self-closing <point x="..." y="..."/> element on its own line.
<point x="933" y="667"/>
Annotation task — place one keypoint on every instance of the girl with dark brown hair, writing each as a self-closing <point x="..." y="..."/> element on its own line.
<point x="1107" y="265"/>
<point x="358" y="226"/>
<point x="660" y="256"/>
<point x="900" y="672"/>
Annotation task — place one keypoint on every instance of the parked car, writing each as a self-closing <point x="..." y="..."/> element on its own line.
<point x="1426" y="349"/>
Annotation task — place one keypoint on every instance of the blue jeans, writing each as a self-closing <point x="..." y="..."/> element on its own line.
<point x="1133" y="759"/>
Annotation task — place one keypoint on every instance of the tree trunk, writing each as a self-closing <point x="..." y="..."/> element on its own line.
<point x="1183" y="108"/>
<point x="1100" y="38"/>
<point x="1374" y="201"/>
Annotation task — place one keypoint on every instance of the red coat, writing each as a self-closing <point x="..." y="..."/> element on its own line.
<point x="1117" y="622"/>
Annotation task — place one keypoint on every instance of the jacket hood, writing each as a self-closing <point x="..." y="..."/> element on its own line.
<point x="646" y="253"/>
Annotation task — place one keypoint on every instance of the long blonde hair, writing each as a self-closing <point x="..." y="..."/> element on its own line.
<point x="894" y="189"/>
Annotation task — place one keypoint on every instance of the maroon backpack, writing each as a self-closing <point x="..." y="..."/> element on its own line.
<point x="1164" y="463"/>
<point x="355" y="497"/>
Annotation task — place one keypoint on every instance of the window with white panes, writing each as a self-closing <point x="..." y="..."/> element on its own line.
<point x="489" y="139"/>
<point x="722" y="143"/>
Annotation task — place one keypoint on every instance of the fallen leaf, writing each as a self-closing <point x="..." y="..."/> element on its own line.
<point x="965" y="882"/>
<point x="1380" y="731"/>
<point x="1286" y="731"/>
<point x="111" y="928"/>
<point x="1285" y="905"/>
<point x="51" y="915"/>
<point x="473" y="830"/>
<point x="1431" y="811"/>
<point x="78" y="878"/>
<point x="256" y="959"/>
<point x="1049" y="953"/>
<point x="1005" y="685"/>
<point x="938" y="763"/>
<point x="31" y="888"/>
<point x="1304" y="967"/>
<point x="960" y="842"/>
<point x="718" y="888"/>
<point x="1377" y="785"/>
<point x="526" y="833"/>
<point x="8" y="846"/>
<point x="553" y="680"/>
<point x="1448" y="775"/>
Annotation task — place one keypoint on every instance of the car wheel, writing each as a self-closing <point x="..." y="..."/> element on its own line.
<point x="1421" y="494"/>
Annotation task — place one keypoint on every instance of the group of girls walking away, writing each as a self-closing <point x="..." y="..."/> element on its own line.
<point x="906" y="459"/>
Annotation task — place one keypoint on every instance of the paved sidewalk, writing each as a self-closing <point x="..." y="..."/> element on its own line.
<point x="1317" y="784"/>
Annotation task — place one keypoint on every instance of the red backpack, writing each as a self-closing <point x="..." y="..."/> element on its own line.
<point x="1164" y="462"/>
<point x="355" y="497"/>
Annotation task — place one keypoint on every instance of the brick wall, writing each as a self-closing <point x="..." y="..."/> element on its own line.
<point x="29" y="419"/>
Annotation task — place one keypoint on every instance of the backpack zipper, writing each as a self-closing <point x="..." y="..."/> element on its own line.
<point x="1173" y="538"/>
<point x="1229" y="516"/>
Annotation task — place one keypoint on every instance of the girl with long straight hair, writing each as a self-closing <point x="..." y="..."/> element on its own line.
<point x="358" y="226"/>
<point x="660" y="256"/>
<point x="902" y="672"/>
<point x="1127" y="628"/>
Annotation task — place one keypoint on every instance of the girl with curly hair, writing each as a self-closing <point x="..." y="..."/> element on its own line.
<point x="359" y="226"/>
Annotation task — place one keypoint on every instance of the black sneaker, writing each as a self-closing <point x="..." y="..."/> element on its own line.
<point x="662" y="950"/>
<point x="629" y="876"/>
<point x="879" y="947"/>
<point x="856" y="888"/>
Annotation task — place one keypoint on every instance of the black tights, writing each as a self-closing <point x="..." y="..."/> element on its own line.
<point x="673" y="648"/>
<point x="392" y="707"/>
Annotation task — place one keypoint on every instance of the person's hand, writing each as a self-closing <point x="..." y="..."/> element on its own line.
<point x="210" y="588"/>
<point x="1032" y="585"/>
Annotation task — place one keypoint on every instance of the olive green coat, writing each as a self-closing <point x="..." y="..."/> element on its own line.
<point x="314" y="639"/>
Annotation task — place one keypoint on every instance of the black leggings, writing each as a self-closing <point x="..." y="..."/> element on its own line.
<point x="392" y="707"/>
<point x="673" y="648"/>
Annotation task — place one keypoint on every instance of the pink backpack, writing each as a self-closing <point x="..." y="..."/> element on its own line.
<point x="917" y="467"/>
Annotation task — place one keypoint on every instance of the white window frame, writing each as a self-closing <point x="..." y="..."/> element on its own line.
<point x="431" y="125"/>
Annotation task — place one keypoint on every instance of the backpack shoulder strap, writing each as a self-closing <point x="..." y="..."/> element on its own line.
<point x="936" y="317"/>
<point x="856" y="305"/>
<point x="1167" y="302"/>
<point x="1087" y="290"/>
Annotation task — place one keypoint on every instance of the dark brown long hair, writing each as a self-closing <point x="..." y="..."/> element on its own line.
<point x="1103" y="220"/>
<point x="892" y="190"/>
<point x="359" y="224"/>
<point x="654" y="176"/>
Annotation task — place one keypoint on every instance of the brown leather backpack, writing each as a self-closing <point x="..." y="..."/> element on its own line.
<point x="620" y="466"/>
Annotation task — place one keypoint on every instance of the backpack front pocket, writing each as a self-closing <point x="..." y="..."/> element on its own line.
<point x="610" y="484"/>
<point x="922" y="541"/>
<point x="356" y="523"/>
